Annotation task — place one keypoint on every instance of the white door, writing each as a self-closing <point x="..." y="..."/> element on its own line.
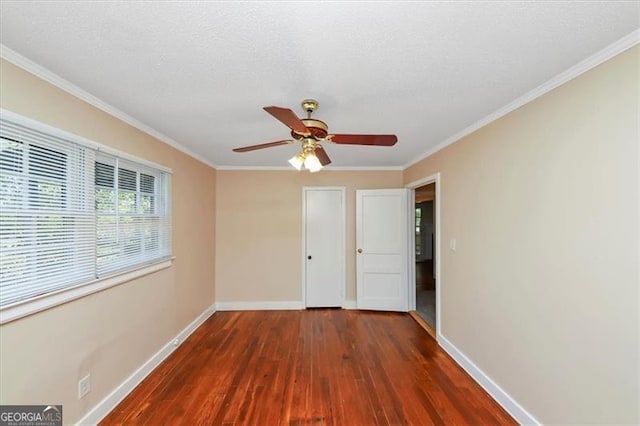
<point x="324" y="240"/>
<point x="382" y="249"/>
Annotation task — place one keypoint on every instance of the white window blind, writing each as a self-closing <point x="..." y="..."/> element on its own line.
<point x="131" y="214"/>
<point x="46" y="214"/>
<point x="70" y="214"/>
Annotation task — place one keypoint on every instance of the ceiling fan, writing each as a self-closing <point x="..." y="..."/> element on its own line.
<point x="311" y="132"/>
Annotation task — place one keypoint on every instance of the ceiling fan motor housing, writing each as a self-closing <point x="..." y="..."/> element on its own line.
<point x="317" y="128"/>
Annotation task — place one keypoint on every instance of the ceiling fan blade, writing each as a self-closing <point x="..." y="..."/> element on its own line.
<point x="289" y="119"/>
<point x="379" y="140"/>
<point x="322" y="155"/>
<point x="261" y="146"/>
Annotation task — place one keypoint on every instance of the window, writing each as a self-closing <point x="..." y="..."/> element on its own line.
<point x="70" y="214"/>
<point x="131" y="220"/>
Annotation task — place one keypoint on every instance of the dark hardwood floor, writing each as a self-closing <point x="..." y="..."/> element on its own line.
<point x="310" y="367"/>
<point x="424" y="275"/>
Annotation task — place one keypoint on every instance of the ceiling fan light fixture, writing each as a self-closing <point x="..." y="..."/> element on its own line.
<point x="312" y="133"/>
<point x="312" y="163"/>
<point x="297" y="161"/>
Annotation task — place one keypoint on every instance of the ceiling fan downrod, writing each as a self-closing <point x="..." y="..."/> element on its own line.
<point x="309" y="105"/>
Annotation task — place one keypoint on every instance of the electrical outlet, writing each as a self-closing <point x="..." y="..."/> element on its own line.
<point x="84" y="386"/>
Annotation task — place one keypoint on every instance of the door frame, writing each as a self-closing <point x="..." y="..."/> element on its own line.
<point x="435" y="178"/>
<point x="343" y="246"/>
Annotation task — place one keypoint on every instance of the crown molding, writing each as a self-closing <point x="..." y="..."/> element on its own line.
<point x="258" y="168"/>
<point x="50" y="77"/>
<point x="326" y="169"/>
<point x="366" y="169"/>
<point x="592" y="61"/>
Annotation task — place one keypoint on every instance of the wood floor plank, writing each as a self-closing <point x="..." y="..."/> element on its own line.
<point x="313" y="367"/>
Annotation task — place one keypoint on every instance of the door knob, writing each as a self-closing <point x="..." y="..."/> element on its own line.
<point x="359" y="250"/>
<point x="309" y="257"/>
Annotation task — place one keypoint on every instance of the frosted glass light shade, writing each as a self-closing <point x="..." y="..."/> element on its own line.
<point x="312" y="163"/>
<point x="297" y="161"/>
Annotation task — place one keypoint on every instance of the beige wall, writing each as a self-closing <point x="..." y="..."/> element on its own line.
<point x="542" y="292"/>
<point x="112" y="333"/>
<point x="259" y="230"/>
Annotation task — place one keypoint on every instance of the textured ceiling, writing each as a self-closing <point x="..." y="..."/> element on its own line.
<point x="199" y="72"/>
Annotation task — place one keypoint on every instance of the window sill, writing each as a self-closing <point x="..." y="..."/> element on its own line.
<point x="48" y="301"/>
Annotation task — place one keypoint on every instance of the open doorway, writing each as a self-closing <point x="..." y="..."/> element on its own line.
<point x="425" y="277"/>
<point x="424" y="266"/>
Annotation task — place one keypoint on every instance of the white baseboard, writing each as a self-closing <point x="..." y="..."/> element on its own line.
<point x="290" y="305"/>
<point x="104" y="407"/>
<point x="521" y="415"/>
<point x="286" y="305"/>
<point x="349" y="304"/>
